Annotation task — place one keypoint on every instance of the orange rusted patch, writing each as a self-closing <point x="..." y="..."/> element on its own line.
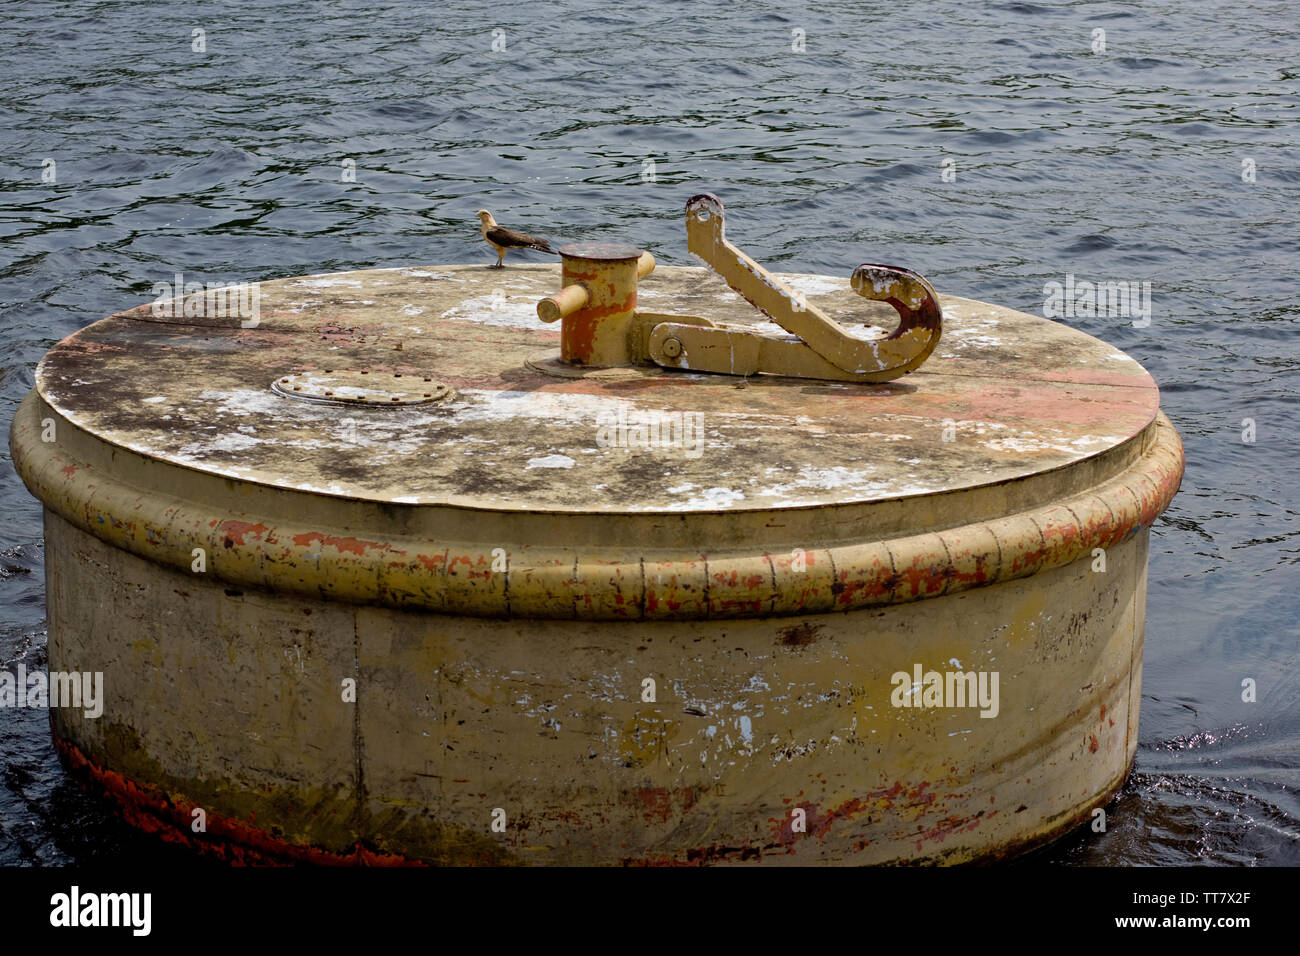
<point x="234" y="532"/>
<point x="432" y="562"/>
<point x="578" y="337"/>
<point x="349" y="545"/>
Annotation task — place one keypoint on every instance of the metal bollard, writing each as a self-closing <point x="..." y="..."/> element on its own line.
<point x="597" y="306"/>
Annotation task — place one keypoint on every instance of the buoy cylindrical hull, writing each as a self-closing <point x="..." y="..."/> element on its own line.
<point x="237" y="704"/>
<point x="874" y="644"/>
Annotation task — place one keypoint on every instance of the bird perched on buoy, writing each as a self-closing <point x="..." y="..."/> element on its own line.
<point x="502" y="239"/>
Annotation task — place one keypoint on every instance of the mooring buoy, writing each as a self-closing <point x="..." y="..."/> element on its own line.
<point x="454" y="564"/>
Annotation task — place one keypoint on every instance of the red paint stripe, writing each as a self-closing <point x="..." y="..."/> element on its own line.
<point x="148" y="808"/>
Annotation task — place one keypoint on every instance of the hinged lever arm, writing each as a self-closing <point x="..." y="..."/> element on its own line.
<point x="866" y="360"/>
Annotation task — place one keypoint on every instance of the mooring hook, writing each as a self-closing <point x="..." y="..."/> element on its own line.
<point x="912" y="297"/>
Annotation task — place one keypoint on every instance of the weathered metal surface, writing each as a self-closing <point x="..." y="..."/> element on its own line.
<point x="591" y="256"/>
<point x="598" y="329"/>
<point x="603" y="328"/>
<point x="1026" y="398"/>
<point x="230" y="702"/>
<point x="572" y="548"/>
<point x="364" y="387"/>
<point x="823" y="348"/>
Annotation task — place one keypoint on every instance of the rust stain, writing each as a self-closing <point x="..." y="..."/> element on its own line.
<point x="338" y="333"/>
<point x="799" y="635"/>
<point x="347" y="545"/>
<point x="926" y="575"/>
<point x="235" y="532"/>
<point x="657" y="803"/>
<point x="432" y="562"/>
<point x="894" y="798"/>
<point x="861" y="590"/>
<point x="579" y="336"/>
<point x="478" y="566"/>
<point x="950" y="825"/>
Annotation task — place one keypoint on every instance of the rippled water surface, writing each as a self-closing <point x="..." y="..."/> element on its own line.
<point x="1124" y="164"/>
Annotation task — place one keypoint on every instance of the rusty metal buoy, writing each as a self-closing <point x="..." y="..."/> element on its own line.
<point x="526" y="578"/>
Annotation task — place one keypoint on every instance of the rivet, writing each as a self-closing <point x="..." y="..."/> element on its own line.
<point x="672" y="348"/>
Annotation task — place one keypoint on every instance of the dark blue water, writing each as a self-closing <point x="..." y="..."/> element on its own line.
<point x="1120" y="165"/>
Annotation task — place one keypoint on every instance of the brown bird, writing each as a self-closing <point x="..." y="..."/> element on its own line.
<point x="501" y="239"/>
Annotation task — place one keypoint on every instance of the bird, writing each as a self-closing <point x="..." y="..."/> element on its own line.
<point x="502" y="239"/>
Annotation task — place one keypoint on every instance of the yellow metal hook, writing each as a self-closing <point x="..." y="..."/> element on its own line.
<point x="613" y="332"/>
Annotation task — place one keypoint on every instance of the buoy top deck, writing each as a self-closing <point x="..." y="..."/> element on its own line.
<point x="1006" y="397"/>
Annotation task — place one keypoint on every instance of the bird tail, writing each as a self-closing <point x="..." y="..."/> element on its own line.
<point x="542" y="245"/>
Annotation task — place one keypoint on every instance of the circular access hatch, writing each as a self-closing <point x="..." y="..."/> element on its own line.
<point x="369" y="388"/>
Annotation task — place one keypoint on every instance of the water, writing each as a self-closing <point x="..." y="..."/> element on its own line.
<point x="1122" y="165"/>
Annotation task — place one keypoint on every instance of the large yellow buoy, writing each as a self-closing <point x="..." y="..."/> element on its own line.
<point x="379" y="567"/>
